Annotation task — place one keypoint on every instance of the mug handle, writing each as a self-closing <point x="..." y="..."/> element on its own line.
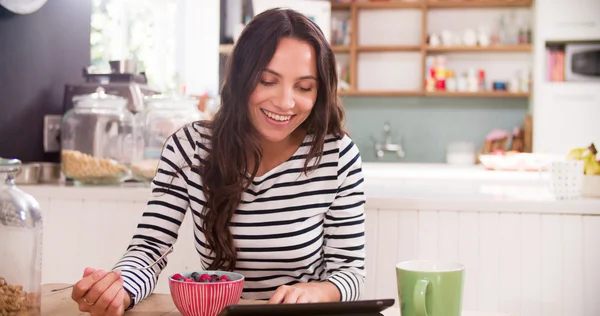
<point x="419" y="297"/>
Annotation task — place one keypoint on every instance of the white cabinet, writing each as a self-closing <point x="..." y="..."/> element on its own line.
<point x="567" y="116"/>
<point x="568" y="19"/>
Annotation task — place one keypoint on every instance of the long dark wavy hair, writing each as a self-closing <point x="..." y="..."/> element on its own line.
<point x="225" y="172"/>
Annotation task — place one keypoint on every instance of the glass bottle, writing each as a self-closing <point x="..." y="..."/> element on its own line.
<point x="162" y="116"/>
<point x="97" y="139"/>
<point x="20" y="246"/>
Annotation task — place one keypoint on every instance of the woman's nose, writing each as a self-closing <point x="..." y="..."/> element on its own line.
<point x="287" y="99"/>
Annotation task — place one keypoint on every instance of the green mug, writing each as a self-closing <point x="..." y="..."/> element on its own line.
<point x="430" y="288"/>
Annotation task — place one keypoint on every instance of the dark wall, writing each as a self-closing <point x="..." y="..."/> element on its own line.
<point x="39" y="53"/>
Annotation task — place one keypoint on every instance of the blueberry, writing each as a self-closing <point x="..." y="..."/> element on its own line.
<point x="195" y="276"/>
<point x="214" y="278"/>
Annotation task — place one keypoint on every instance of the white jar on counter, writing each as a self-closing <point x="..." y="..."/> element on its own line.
<point x="162" y="116"/>
<point x="97" y="139"/>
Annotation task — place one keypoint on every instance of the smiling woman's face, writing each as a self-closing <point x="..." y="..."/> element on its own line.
<point x="287" y="91"/>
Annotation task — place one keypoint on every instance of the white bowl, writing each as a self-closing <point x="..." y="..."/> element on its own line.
<point x="591" y="186"/>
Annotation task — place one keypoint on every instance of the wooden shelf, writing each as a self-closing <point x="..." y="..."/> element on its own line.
<point x="391" y="93"/>
<point x="390" y="48"/>
<point x="340" y="48"/>
<point x="340" y="6"/>
<point x="392" y="4"/>
<point x="482" y="94"/>
<point x="449" y="4"/>
<point x="381" y="93"/>
<point x="474" y="49"/>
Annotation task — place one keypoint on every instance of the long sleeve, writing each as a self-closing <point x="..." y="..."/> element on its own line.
<point x="344" y="240"/>
<point x="159" y="225"/>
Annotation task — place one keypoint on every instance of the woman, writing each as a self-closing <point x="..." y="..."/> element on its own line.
<point x="273" y="182"/>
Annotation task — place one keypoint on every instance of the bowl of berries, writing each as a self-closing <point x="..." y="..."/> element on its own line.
<point x="205" y="293"/>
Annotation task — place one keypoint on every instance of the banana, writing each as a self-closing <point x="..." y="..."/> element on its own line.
<point x="591" y="165"/>
<point x="576" y="154"/>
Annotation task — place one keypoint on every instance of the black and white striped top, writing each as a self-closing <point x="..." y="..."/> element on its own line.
<point x="289" y="228"/>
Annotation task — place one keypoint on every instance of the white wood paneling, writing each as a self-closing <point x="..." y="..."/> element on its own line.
<point x="551" y="266"/>
<point x="591" y="262"/>
<point x="510" y="244"/>
<point x="468" y="255"/>
<point x="531" y="263"/>
<point x="523" y="264"/>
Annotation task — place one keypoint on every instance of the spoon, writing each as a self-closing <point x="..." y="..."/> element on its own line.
<point x="124" y="269"/>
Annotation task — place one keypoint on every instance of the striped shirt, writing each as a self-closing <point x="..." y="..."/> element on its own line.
<point x="290" y="227"/>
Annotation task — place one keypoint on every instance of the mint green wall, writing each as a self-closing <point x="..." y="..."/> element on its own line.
<point x="428" y="124"/>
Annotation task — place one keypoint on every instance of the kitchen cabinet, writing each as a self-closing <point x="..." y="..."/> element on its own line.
<point x="568" y="116"/>
<point x="568" y="19"/>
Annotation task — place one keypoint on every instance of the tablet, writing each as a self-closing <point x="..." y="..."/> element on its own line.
<point x="353" y="308"/>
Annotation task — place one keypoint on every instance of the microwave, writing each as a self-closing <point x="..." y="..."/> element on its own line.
<point x="582" y="62"/>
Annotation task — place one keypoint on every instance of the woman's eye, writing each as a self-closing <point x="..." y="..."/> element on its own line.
<point x="267" y="83"/>
<point x="305" y="89"/>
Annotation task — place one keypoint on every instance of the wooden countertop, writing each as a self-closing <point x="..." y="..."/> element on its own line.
<point x="60" y="303"/>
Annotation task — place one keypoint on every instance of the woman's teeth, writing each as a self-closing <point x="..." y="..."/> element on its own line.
<point x="280" y="118"/>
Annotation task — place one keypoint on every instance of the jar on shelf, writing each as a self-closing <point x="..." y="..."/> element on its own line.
<point x="162" y="116"/>
<point x="97" y="139"/>
<point x="20" y="246"/>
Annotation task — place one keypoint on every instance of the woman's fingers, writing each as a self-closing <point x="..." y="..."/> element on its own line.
<point x="116" y="307"/>
<point x="279" y="295"/>
<point x="85" y="284"/>
<point x="97" y="290"/>
<point x="105" y="299"/>
<point x="292" y="295"/>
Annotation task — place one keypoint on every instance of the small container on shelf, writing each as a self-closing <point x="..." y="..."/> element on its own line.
<point x="20" y="246"/>
<point x="163" y="115"/>
<point x="97" y="139"/>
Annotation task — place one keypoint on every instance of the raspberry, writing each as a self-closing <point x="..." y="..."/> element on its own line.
<point x="189" y="279"/>
<point x="204" y="278"/>
<point x="178" y="277"/>
<point x="224" y="278"/>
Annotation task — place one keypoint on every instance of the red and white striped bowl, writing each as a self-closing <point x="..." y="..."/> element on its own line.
<point x="206" y="299"/>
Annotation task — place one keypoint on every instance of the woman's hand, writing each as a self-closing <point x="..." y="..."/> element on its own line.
<point x="313" y="292"/>
<point x="101" y="293"/>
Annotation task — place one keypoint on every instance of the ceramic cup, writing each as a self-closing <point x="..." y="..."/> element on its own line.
<point x="430" y="288"/>
<point x="566" y="179"/>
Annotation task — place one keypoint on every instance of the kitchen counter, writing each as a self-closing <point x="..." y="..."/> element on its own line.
<point x="60" y="303"/>
<point x="413" y="186"/>
<point x="499" y="224"/>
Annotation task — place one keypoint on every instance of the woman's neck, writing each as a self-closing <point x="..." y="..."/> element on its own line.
<point x="275" y="153"/>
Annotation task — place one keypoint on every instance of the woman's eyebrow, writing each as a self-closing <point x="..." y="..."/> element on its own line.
<point x="271" y="71"/>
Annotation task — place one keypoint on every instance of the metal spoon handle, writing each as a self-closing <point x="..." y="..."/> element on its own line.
<point x="124" y="269"/>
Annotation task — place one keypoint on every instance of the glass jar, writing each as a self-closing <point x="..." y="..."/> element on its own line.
<point x="162" y="116"/>
<point x="20" y="246"/>
<point x="97" y="139"/>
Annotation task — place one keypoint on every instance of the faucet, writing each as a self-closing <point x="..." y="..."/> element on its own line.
<point x="388" y="146"/>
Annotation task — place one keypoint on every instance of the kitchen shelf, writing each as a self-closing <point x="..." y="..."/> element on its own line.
<point x="390" y="93"/>
<point x="393" y="4"/>
<point x="340" y="48"/>
<point x="475" y="49"/>
<point x="450" y="4"/>
<point x="354" y="49"/>
<point x="388" y="48"/>
<point x="483" y="94"/>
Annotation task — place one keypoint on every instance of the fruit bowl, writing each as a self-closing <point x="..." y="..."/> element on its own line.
<point x="205" y="293"/>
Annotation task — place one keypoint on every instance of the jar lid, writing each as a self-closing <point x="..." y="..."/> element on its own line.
<point x="99" y="99"/>
<point x="9" y="165"/>
<point x="171" y="101"/>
